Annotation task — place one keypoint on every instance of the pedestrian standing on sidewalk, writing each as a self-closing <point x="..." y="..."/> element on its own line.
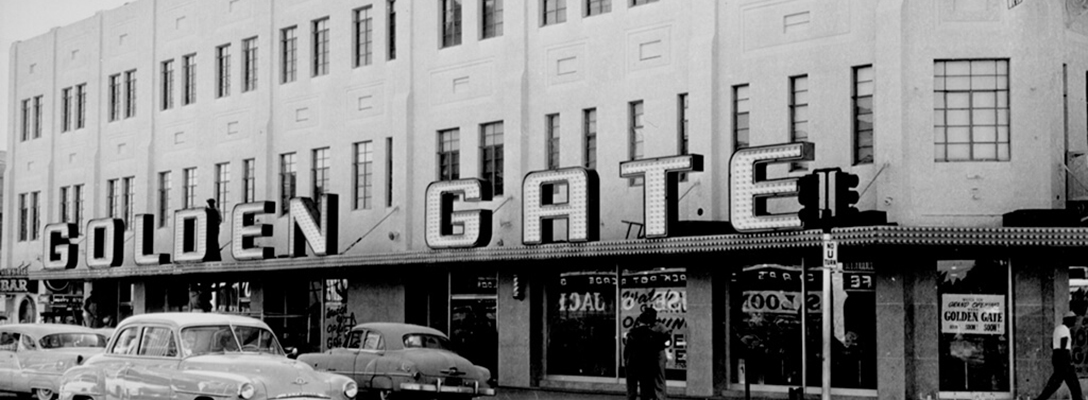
<point x="644" y="357"/>
<point x="1062" y="361"/>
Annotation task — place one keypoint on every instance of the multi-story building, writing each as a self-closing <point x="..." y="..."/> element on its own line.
<point x="958" y="117"/>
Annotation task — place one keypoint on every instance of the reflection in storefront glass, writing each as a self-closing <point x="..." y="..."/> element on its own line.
<point x="974" y="334"/>
<point x="582" y="323"/>
<point x="766" y="326"/>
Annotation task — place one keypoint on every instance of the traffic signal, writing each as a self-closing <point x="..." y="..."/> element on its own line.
<point x="846" y="197"/>
<point x="808" y="194"/>
<point x="519" y="288"/>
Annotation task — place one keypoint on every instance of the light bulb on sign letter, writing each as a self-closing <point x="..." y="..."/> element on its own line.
<point x="749" y="188"/>
<point x="440" y="217"/>
<point x="582" y="209"/>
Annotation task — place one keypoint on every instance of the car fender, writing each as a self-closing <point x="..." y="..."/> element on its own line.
<point x="81" y="380"/>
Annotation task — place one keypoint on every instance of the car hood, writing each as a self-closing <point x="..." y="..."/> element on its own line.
<point x="279" y="374"/>
<point x="442" y="363"/>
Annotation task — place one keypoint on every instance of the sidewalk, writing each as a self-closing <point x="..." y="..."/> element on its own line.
<point x="505" y="393"/>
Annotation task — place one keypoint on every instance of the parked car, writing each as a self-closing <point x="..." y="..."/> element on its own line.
<point x="33" y="356"/>
<point x="198" y="356"/>
<point x="390" y="358"/>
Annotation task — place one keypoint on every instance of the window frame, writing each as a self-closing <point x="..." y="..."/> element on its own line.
<point x="557" y="14"/>
<point x="288" y="54"/>
<point x="288" y="180"/>
<point x="589" y="138"/>
<point x="496" y="132"/>
<point x="320" y="45"/>
<point x="363" y="171"/>
<point x="165" y="185"/>
<point x="449" y="157"/>
<point x="249" y="64"/>
<point x="856" y="115"/>
<point x="1001" y="93"/>
<point x="491" y="18"/>
<point x="188" y="75"/>
<point x="636" y="112"/>
<point x="597" y="7"/>
<point x="222" y="70"/>
<point x="166" y="69"/>
<point x="450" y="20"/>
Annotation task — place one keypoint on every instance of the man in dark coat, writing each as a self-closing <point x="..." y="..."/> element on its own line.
<point x="644" y="357"/>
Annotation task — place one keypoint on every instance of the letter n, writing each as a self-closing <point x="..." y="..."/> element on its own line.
<point x="304" y="227"/>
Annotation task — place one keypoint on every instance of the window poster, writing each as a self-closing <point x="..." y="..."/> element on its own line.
<point x="664" y="290"/>
<point x="973" y="342"/>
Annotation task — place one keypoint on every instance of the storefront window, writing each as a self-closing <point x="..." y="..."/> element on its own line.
<point x="664" y="290"/>
<point x="766" y="326"/>
<point x="974" y="329"/>
<point x="583" y="318"/>
<point x="582" y="338"/>
<point x="230" y="297"/>
<point x="473" y="330"/>
<point x="292" y="308"/>
<point x="338" y="320"/>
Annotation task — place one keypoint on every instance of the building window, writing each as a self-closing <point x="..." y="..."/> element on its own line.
<point x="392" y="9"/>
<point x="971" y="110"/>
<point x="128" y="198"/>
<point x="551" y="141"/>
<point x="113" y="198"/>
<point x="741" y="108"/>
<point x="188" y="192"/>
<point x="65" y="204"/>
<point x="555" y="11"/>
<point x="289" y="58"/>
<point x="364" y="36"/>
<point x="449" y="154"/>
<point x="634" y="138"/>
<point x="321" y="46"/>
<point x="249" y="181"/>
<point x="35" y="215"/>
<point x="23" y="222"/>
<point x="589" y="135"/>
<point x="25" y="131"/>
<point x="222" y="186"/>
<point x="798" y="115"/>
<point x="983" y="285"/>
<point x="66" y="109"/>
<point x="682" y="137"/>
<point x="115" y="97"/>
<point x="451" y="23"/>
<point x="766" y="305"/>
<point x="249" y="64"/>
<point x="81" y="105"/>
<point x="77" y="204"/>
<point x="389" y="172"/>
<point x="222" y="70"/>
<point x="287" y="181"/>
<point x="167" y="84"/>
<point x="863" y="115"/>
<point x="596" y="7"/>
<point x="130" y="94"/>
<point x="491" y="155"/>
<point x="188" y="75"/>
<point x="364" y="170"/>
<point x="586" y="317"/>
<point x="319" y="172"/>
<point x="641" y="2"/>
<point x="37" y="117"/>
<point x="491" y="21"/>
<point x="164" y="198"/>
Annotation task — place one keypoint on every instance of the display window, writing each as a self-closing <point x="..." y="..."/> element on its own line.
<point x="591" y="310"/>
<point x="974" y="344"/>
<point x="766" y="326"/>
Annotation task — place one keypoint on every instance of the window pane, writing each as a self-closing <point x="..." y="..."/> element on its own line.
<point x="959" y="100"/>
<point x="959" y="152"/>
<point x="665" y="291"/>
<point x="938" y="135"/>
<point x="984" y="151"/>
<point x="985" y="134"/>
<point x="959" y="135"/>
<point x="582" y="321"/>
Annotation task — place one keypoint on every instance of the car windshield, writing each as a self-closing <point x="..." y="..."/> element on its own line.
<point x="426" y="341"/>
<point x="228" y="339"/>
<point x="58" y="340"/>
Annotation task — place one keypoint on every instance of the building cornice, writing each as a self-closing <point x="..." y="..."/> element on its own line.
<point x="856" y="236"/>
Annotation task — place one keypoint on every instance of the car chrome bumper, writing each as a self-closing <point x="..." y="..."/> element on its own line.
<point x="425" y="387"/>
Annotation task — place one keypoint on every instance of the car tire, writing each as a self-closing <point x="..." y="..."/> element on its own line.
<point x="44" y="394"/>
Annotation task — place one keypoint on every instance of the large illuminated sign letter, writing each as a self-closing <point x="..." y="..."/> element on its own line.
<point x="441" y="219"/>
<point x="192" y="236"/>
<point x="750" y="188"/>
<point x="60" y="252"/>
<point x="303" y="226"/>
<point x="659" y="196"/>
<point x="105" y="243"/>
<point x="582" y="209"/>
<point x="143" y="244"/>
<point x="245" y="231"/>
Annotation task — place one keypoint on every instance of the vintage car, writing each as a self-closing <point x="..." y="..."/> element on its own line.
<point x="198" y="356"/>
<point x="393" y="358"/>
<point x="33" y="356"/>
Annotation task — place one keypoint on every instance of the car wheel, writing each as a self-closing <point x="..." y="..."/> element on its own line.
<point x="44" y="394"/>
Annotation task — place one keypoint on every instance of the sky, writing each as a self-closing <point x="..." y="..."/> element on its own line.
<point x="24" y="19"/>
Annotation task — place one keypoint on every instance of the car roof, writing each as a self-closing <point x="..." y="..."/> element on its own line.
<point x="399" y="329"/>
<point x="45" y="329"/>
<point x="184" y="319"/>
